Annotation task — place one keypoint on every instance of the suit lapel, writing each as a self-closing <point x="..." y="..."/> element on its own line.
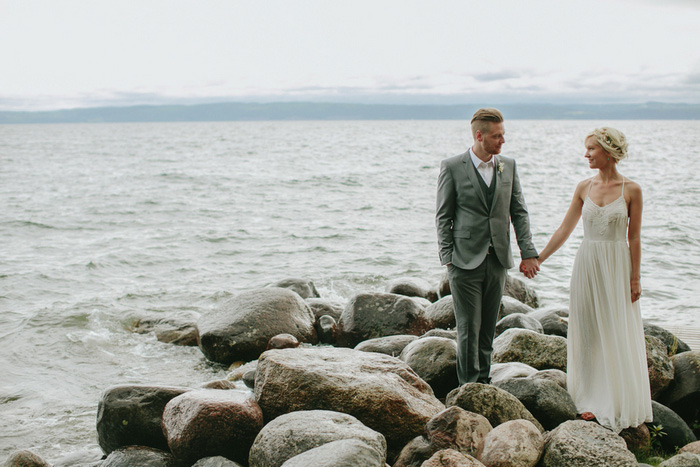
<point x="496" y="180"/>
<point x="471" y="175"/>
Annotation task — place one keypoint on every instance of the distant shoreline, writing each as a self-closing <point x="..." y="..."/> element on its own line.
<point x="295" y="111"/>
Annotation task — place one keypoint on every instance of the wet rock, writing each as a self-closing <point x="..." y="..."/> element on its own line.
<point x="381" y="391"/>
<point x="208" y="423"/>
<point x="303" y="287"/>
<point x="242" y="327"/>
<point x="504" y="371"/>
<point x="578" y="443"/>
<point x="283" y="341"/>
<point x="341" y="453"/>
<point x="389" y="345"/>
<point x="131" y="415"/>
<point x="216" y="461"/>
<point x="448" y="333"/>
<point x="372" y="315"/>
<point x="552" y="323"/>
<point x="455" y="428"/>
<point x="451" y="458"/>
<point x="683" y="394"/>
<point x="556" y="376"/>
<point x="659" y="366"/>
<point x="321" y="306"/>
<point x="510" y="305"/>
<point x="518" y="321"/>
<point x="540" y="351"/>
<point x="177" y="330"/>
<point x="673" y="344"/>
<point x="141" y="456"/>
<point x="326" y="329"/>
<point x="239" y="370"/>
<point x="497" y="405"/>
<point x="518" y="289"/>
<point x="25" y="458"/>
<point x="441" y="314"/>
<point x="676" y="431"/>
<point x="434" y="359"/>
<point x="548" y="402"/>
<point x="222" y="384"/>
<point x="443" y="287"/>
<point x="637" y="438"/>
<point x="693" y="447"/>
<point x="294" y="433"/>
<point x="412" y="287"/>
<point x="685" y="459"/>
<point x="514" y="443"/>
<point x="417" y="451"/>
<point x="249" y="379"/>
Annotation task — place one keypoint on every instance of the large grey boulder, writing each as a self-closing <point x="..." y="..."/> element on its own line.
<point x="673" y="344"/>
<point x="659" y="366"/>
<point x="683" y="394"/>
<point x="434" y="359"/>
<point x="504" y="371"/>
<point x="540" y="351"/>
<point x="518" y="321"/>
<point x="510" y="305"/>
<point x="578" y="443"/>
<point x="552" y="321"/>
<point x="441" y="314"/>
<point x="241" y="328"/>
<point x="455" y="428"/>
<point x="518" y="289"/>
<point x="215" y="461"/>
<point x="389" y="345"/>
<point x="548" y="402"/>
<point x="341" y="453"/>
<point x="684" y="459"/>
<point x="514" y="443"/>
<point x="207" y="423"/>
<point x="294" y="433"/>
<point x="371" y="315"/>
<point x="676" y="431"/>
<point x="412" y="287"/>
<point x="383" y="392"/>
<point x="305" y="288"/>
<point x="497" y="405"/>
<point x="132" y="415"/>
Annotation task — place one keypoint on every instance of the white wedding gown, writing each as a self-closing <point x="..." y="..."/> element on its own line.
<point x="606" y="360"/>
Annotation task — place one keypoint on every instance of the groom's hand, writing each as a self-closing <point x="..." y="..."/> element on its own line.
<point x="529" y="267"/>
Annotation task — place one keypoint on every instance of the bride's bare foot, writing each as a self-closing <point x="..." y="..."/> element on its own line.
<point x="588" y="416"/>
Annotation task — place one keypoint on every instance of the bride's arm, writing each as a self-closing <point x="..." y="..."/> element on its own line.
<point x="567" y="226"/>
<point x="634" y="238"/>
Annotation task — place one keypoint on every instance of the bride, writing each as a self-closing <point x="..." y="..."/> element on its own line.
<point x="607" y="374"/>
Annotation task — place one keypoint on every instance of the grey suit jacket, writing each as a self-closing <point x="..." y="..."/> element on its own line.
<point x="466" y="227"/>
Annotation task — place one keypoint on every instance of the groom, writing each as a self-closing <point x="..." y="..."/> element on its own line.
<point x="478" y="197"/>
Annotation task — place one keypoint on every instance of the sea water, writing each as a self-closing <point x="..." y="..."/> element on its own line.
<point x="103" y="224"/>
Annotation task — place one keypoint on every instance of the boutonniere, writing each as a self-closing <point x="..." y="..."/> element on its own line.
<point x="500" y="167"/>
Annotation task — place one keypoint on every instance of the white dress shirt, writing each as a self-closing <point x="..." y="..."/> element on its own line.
<point x="485" y="169"/>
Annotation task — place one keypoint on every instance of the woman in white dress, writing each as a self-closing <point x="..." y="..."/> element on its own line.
<point x="607" y="374"/>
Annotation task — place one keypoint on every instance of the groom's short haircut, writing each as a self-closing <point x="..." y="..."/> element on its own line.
<point x="482" y="117"/>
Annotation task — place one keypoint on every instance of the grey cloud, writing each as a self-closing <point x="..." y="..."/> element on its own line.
<point x="499" y="76"/>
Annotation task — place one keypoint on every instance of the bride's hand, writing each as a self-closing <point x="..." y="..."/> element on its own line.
<point x="636" y="289"/>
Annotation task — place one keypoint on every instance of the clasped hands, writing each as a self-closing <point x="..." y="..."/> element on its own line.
<point x="529" y="267"/>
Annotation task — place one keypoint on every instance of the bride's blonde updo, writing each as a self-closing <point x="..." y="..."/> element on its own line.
<point x="612" y="140"/>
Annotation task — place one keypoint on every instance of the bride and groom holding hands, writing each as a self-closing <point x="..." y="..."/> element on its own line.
<point x="478" y="197"/>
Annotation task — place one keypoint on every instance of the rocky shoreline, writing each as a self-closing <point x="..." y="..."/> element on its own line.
<point x="373" y="383"/>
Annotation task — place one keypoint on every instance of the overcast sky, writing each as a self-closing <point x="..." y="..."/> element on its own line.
<point x="80" y="53"/>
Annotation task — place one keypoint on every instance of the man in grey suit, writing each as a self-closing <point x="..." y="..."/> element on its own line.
<point x="478" y="197"/>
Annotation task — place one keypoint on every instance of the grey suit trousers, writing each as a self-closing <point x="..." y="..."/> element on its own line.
<point x="477" y="297"/>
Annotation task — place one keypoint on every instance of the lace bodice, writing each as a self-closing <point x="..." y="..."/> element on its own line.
<point x="607" y="223"/>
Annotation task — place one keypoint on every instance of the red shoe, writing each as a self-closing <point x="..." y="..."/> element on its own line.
<point x="588" y="416"/>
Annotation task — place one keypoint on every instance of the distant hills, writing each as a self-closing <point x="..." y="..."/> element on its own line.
<point x="239" y="111"/>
